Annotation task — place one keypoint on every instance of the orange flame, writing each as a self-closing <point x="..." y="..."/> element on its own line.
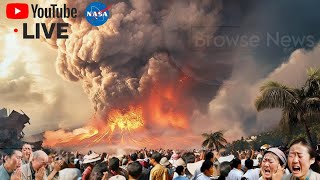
<point x="126" y="121"/>
<point x="163" y="108"/>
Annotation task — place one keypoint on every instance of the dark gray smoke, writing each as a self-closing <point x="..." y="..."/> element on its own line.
<point x="149" y="42"/>
<point x="117" y="62"/>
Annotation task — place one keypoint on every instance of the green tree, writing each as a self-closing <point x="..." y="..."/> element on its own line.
<point x="240" y="145"/>
<point x="214" y="140"/>
<point x="299" y="105"/>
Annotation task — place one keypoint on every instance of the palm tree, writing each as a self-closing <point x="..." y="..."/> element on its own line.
<point x="214" y="139"/>
<point x="297" y="104"/>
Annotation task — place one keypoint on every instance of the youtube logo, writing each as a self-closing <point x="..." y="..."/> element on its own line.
<point x="17" y="11"/>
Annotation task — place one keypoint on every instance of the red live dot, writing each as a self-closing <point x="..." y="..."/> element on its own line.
<point x="15" y="30"/>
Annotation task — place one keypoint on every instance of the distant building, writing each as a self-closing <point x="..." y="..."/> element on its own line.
<point x="11" y="128"/>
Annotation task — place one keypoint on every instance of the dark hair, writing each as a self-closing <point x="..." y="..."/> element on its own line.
<point x="225" y="152"/>
<point x="225" y="168"/>
<point x="209" y="155"/>
<point x="135" y="169"/>
<point x="206" y="165"/>
<point x="236" y="162"/>
<point x="103" y="156"/>
<point x="156" y="156"/>
<point x="179" y="170"/>
<point x="306" y="144"/>
<point x="188" y="157"/>
<point x="9" y="152"/>
<point x="114" y="164"/>
<point x="141" y="156"/>
<point x="249" y="163"/>
<point x="97" y="171"/>
<point x="133" y="157"/>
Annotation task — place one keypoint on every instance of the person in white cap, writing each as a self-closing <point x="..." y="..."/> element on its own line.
<point x="166" y="164"/>
<point x="90" y="161"/>
<point x="273" y="164"/>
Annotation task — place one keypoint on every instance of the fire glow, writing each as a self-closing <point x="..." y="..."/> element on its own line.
<point x="132" y="125"/>
<point x="128" y="121"/>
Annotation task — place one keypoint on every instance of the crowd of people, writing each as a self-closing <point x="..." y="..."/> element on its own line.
<point x="299" y="161"/>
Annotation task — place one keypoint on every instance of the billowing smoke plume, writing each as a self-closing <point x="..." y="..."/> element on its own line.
<point x="147" y="45"/>
<point x="120" y="61"/>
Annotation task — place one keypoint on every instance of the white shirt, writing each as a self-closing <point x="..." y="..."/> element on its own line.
<point x="252" y="174"/>
<point x="202" y="177"/>
<point x="234" y="174"/>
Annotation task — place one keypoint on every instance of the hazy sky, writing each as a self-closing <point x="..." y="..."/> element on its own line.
<point x="28" y="81"/>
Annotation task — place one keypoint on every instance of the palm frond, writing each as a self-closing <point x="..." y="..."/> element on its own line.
<point x="205" y="135"/>
<point x="313" y="73"/>
<point x="205" y="142"/>
<point x="275" y="95"/>
<point x="214" y="139"/>
<point x="311" y="105"/>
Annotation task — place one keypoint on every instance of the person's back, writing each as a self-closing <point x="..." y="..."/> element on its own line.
<point x="134" y="170"/>
<point x="158" y="172"/>
<point x="181" y="178"/>
<point x="145" y="175"/>
<point x="181" y="172"/>
<point x="251" y="174"/>
<point x="235" y="173"/>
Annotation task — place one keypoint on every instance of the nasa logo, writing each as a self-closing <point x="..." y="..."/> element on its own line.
<point x="97" y="13"/>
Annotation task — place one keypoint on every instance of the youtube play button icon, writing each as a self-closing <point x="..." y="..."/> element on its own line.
<point x="17" y="11"/>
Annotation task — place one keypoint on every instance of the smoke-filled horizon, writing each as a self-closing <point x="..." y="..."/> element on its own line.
<point x="165" y="57"/>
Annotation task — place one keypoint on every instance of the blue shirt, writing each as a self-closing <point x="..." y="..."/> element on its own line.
<point x="4" y="175"/>
<point x="181" y="178"/>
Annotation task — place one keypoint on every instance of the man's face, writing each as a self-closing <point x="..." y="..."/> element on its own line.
<point x="14" y="161"/>
<point x="26" y="151"/>
<point x="39" y="163"/>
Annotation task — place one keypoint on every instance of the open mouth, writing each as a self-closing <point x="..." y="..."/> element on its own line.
<point x="296" y="169"/>
<point x="267" y="171"/>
